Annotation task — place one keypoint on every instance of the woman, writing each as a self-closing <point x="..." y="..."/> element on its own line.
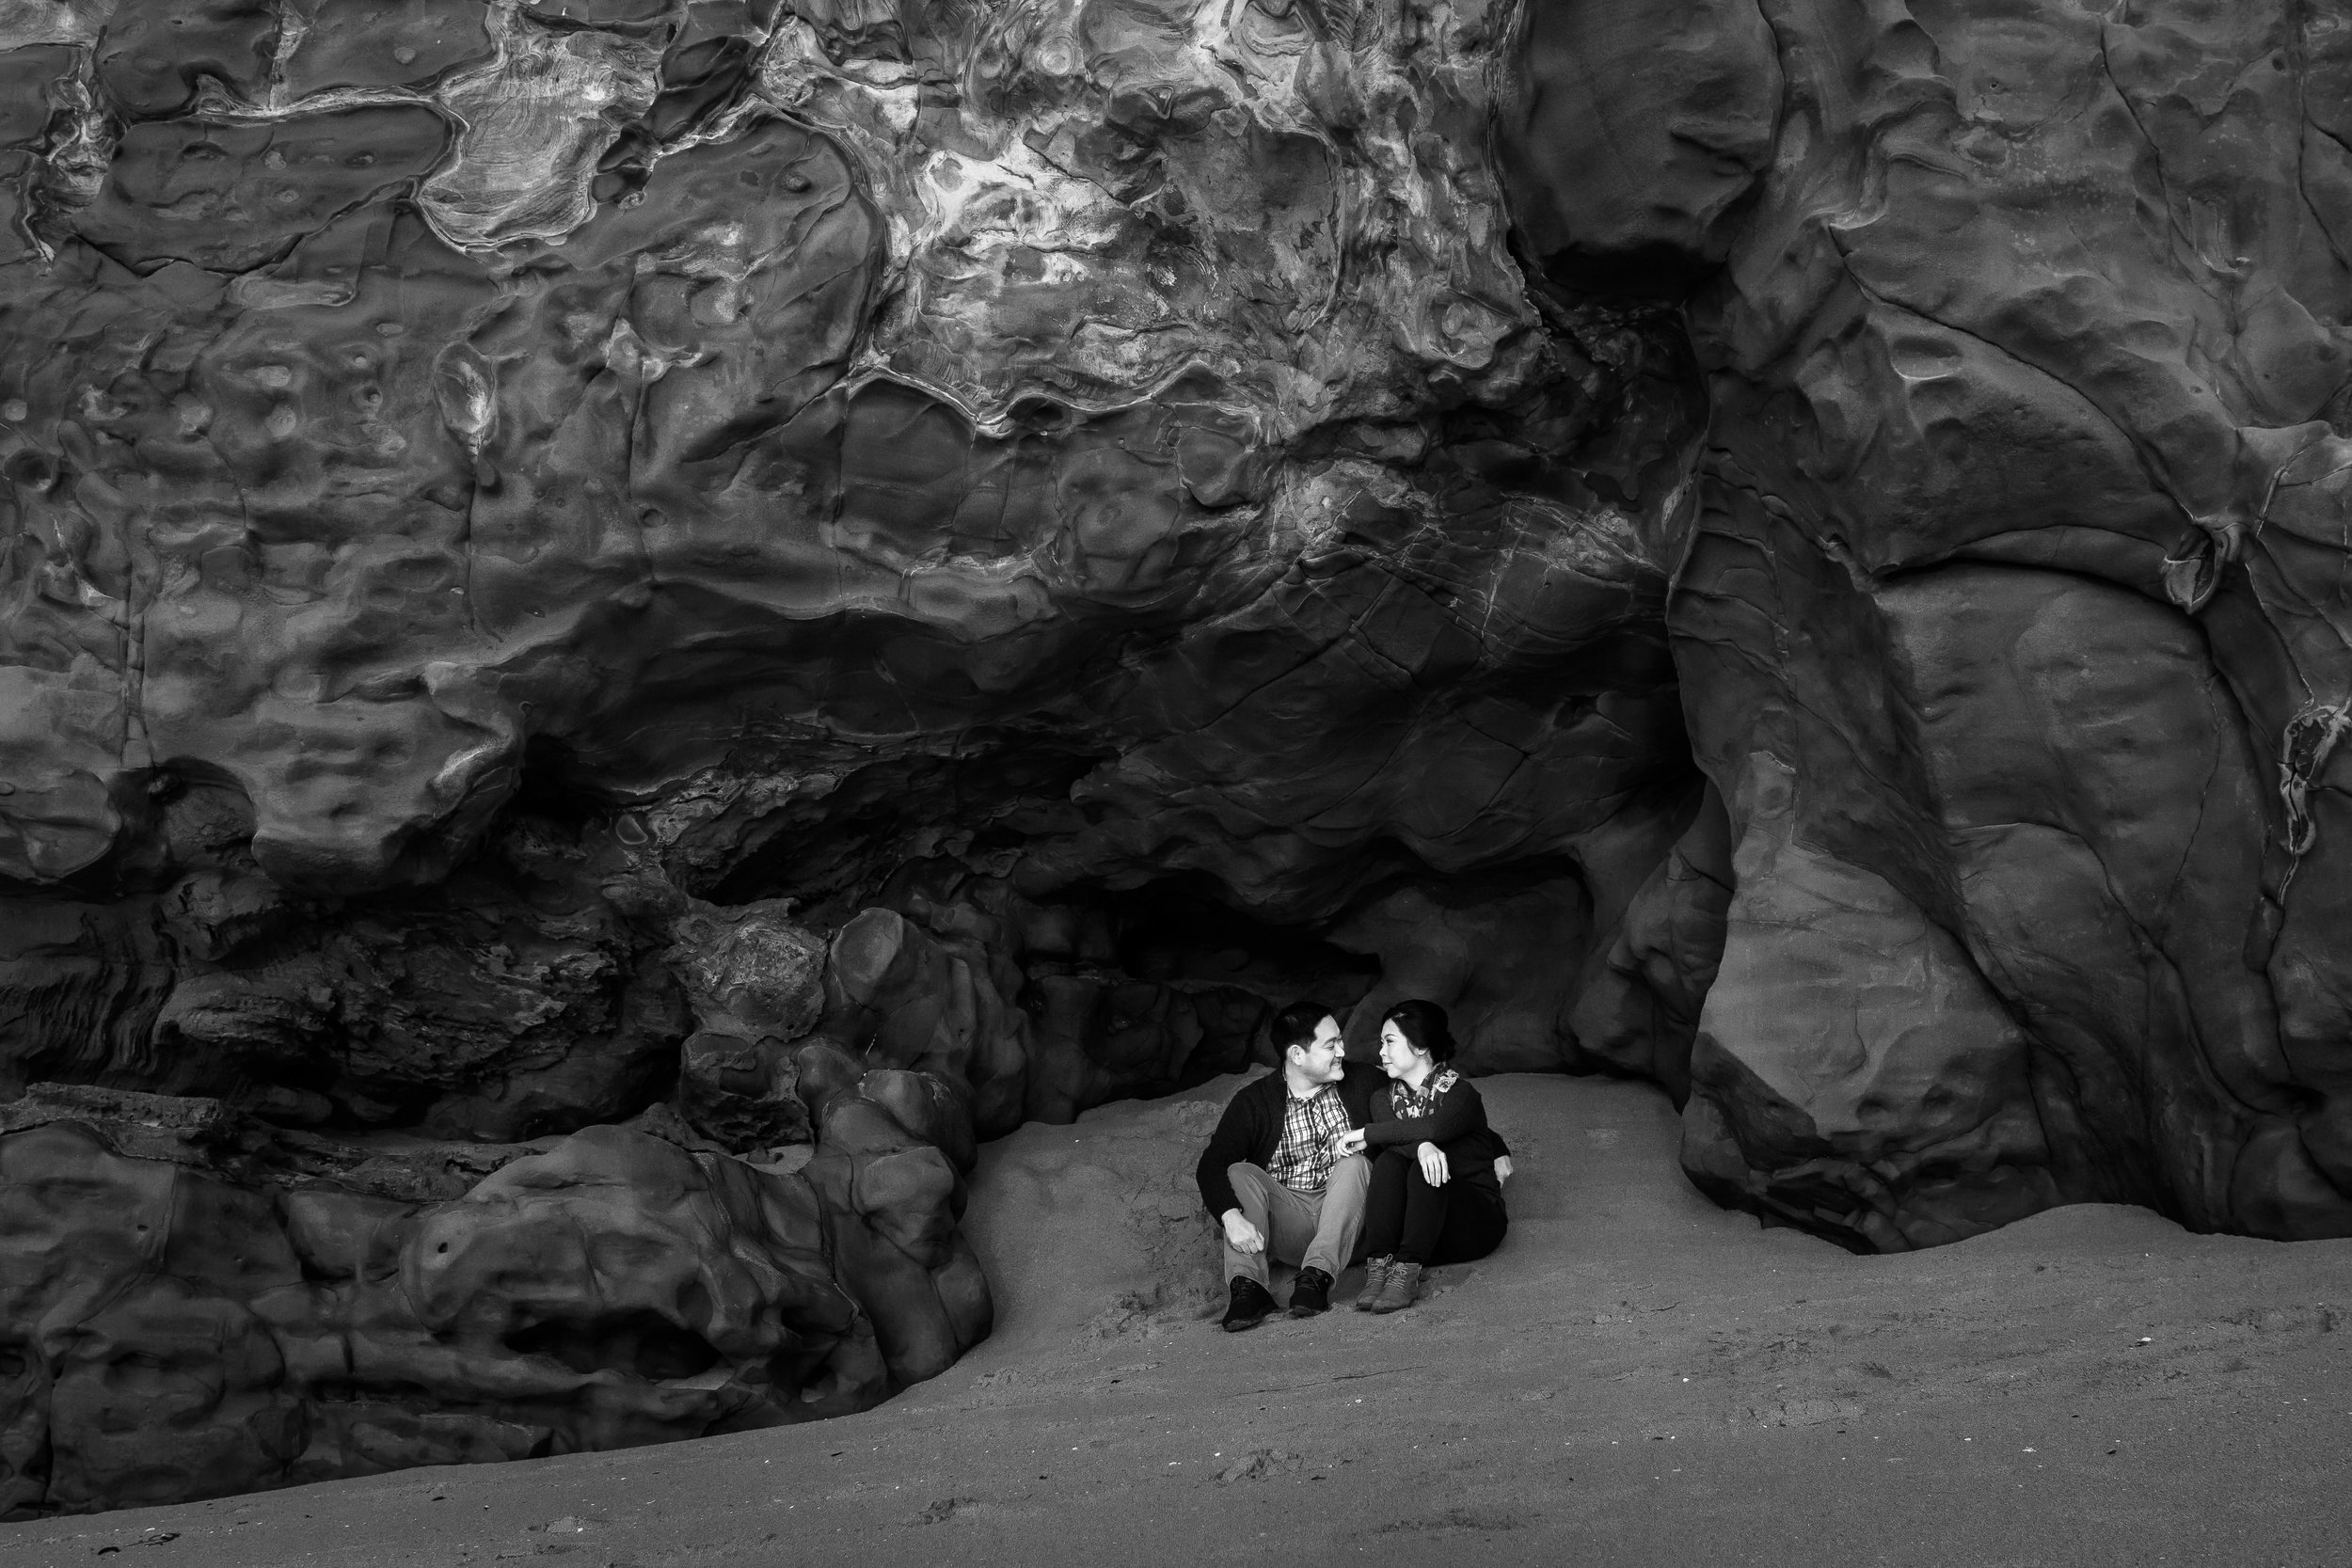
<point x="1436" y="1197"/>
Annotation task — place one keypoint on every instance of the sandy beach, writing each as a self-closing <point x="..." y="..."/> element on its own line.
<point x="1637" y="1377"/>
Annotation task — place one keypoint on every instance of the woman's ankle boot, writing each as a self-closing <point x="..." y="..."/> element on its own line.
<point x="1397" y="1288"/>
<point x="1376" y="1272"/>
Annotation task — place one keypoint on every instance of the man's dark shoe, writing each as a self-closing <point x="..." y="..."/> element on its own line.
<point x="1249" y="1307"/>
<point x="1312" y="1294"/>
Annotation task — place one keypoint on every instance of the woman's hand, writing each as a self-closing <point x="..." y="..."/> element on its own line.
<point x="1347" y="1142"/>
<point x="1503" y="1168"/>
<point x="1433" y="1165"/>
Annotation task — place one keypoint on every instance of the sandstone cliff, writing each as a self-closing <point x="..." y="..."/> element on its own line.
<point x="629" y="623"/>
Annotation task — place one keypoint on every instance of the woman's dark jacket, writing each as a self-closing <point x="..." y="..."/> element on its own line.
<point x="1457" y="1125"/>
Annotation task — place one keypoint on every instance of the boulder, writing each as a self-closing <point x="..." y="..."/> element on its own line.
<point x="196" y="1305"/>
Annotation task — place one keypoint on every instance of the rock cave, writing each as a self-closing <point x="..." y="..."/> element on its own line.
<point x="628" y="626"/>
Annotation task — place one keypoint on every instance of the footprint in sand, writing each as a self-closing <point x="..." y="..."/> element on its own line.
<point x="942" y="1510"/>
<point x="1802" y="1413"/>
<point x="1258" y="1464"/>
<point x="1456" y="1519"/>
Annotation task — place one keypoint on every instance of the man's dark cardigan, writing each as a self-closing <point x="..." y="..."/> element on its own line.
<point x="1251" y="1128"/>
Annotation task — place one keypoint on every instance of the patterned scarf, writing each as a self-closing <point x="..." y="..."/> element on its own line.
<point x="1410" y="1103"/>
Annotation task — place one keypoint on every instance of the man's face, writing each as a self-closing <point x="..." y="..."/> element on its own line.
<point x="1318" y="1061"/>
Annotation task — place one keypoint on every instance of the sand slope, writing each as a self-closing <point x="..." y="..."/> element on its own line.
<point x="1637" y="1377"/>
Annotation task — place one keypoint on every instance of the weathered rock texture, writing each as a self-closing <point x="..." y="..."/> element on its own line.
<point x="824" y="579"/>
<point x="835" y="579"/>
<point x="2010" y="609"/>
<point x="196" y="1305"/>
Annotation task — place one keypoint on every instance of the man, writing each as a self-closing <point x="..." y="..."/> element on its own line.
<point x="1271" y="1179"/>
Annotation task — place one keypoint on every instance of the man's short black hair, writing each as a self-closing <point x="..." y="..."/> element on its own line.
<point x="1295" y="1025"/>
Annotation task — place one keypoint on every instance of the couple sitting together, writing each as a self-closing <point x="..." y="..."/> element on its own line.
<point x="1316" y="1165"/>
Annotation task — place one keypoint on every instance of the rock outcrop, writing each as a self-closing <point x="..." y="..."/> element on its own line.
<point x="198" y="1305"/>
<point x="837" y="580"/>
<point x="685" y="608"/>
<point x="2010" y="611"/>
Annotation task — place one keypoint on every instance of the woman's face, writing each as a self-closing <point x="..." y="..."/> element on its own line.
<point x="1397" y="1055"/>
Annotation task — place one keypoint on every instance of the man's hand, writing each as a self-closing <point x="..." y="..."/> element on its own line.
<point x="1433" y="1165"/>
<point x="1503" y="1168"/>
<point x="1240" y="1234"/>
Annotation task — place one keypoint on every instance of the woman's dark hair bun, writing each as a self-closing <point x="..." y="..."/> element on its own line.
<point x="1424" y="1028"/>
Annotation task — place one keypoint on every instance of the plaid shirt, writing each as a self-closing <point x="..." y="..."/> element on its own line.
<point x="1302" y="1161"/>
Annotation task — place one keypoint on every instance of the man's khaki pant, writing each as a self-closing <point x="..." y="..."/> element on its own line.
<point x="1314" y="1230"/>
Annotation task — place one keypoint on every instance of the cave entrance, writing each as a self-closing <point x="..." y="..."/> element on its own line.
<point x="643" y="1343"/>
<point x="1182" y="930"/>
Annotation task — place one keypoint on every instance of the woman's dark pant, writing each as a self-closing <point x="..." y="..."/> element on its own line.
<point x="1405" y="1217"/>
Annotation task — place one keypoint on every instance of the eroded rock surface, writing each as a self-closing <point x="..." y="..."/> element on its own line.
<point x="823" y="582"/>
<point x="2011" y="616"/>
<point x="199" y="1304"/>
